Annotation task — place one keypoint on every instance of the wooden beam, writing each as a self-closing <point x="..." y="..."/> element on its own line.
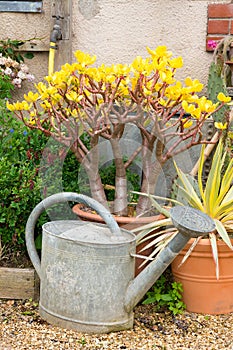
<point x="63" y="8"/>
<point x="19" y="283"/>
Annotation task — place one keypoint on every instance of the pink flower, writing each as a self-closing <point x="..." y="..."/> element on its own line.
<point x="17" y="82"/>
<point x="8" y="71"/>
<point x="30" y="77"/>
<point x="24" y="68"/>
<point x="212" y="44"/>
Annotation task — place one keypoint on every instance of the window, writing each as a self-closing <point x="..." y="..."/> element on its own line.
<point x="21" y="6"/>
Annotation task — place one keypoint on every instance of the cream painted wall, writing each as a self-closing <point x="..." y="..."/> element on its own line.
<point x="117" y="31"/>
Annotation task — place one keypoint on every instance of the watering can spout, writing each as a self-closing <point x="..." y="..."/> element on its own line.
<point x="191" y="223"/>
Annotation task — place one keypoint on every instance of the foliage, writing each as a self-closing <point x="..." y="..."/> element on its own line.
<point x="108" y="173"/>
<point x="215" y="198"/>
<point x="166" y="294"/>
<point x="12" y="66"/>
<point x="10" y="47"/>
<point x="101" y="101"/>
<point x="220" y="76"/>
<point x="19" y="184"/>
<point x="215" y="85"/>
<point x="6" y="87"/>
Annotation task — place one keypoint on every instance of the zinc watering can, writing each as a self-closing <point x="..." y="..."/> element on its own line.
<point x="86" y="270"/>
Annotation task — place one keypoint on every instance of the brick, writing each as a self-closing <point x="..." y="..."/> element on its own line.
<point x="220" y="10"/>
<point x="218" y="26"/>
<point x="231" y="27"/>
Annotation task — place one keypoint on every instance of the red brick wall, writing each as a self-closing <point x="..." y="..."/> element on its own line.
<point x="220" y="22"/>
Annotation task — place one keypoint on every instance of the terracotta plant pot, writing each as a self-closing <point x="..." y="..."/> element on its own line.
<point x="128" y="223"/>
<point x="203" y="293"/>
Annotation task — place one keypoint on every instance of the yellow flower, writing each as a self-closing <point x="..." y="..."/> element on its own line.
<point x="141" y="65"/>
<point x="159" y="52"/>
<point x="31" y="97"/>
<point x="193" y="85"/>
<point x="18" y="106"/>
<point x="73" y="96"/>
<point x="187" y="123"/>
<point x="176" y="62"/>
<point x="33" y="113"/>
<point x="196" y="113"/>
<point x="84" y="59"/>
<point x="46" y="105"/>
<point x="220" y="125"/>
<point x="167" y="77"/>
<point x="223" y="98"/>
<point x="10" y="106"/>
<point x="74" y="113"/>
<point x="188" y="108"/>
<point x="206" y="105"/>
<point x="41" y="87"/>
<point x="32" y="121"/>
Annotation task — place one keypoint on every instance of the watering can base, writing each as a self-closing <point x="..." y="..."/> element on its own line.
<point x="86" y="327"/>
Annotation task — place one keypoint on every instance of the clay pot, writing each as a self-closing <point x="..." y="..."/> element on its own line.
<point x="128" y="223"/>
<point x="203" y="293"/>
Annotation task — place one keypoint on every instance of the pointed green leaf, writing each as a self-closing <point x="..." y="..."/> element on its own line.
<point x="188" y="188"/>
<point x="200" y="171"/>
<point x="213" y="181"/>
<point x="214" y="248"/>
<point x="223" y="233"/>
<point x="28" y="55"/>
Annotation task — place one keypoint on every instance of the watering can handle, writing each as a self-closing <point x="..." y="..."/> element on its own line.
<point x="61" y="198"/>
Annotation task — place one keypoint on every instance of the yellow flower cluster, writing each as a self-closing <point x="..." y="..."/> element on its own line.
<point x="149" y="82"/>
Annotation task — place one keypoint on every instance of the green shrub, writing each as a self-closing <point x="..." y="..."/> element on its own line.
<point x="167" y="294"/>
<point x="19" y="182"/>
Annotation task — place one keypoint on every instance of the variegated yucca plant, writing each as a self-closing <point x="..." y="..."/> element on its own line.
<point x="215" y="198"/>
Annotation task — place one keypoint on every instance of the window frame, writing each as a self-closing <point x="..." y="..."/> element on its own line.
<point x="21" y="6"/>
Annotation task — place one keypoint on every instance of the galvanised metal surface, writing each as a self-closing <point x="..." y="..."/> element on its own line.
<point x="84" y="280"/>
<point x="21" y="6"/>
<point x="87" y="270"/>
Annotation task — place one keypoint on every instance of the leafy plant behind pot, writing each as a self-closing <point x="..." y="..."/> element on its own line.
<point x="167" y="294"/>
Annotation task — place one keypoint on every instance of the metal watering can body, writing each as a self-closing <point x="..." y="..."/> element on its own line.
<point x="87" y="270"/>
<point x="83" y="281"/>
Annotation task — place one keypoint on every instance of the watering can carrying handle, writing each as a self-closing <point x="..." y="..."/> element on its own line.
<point x="61" y="198"/>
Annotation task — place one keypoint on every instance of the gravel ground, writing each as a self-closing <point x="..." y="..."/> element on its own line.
<point x="21" y="327"/>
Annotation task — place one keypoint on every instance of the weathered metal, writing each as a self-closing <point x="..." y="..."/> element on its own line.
<point x="87" y="270"/>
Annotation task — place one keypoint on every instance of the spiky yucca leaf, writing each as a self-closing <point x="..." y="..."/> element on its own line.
<point x="201" y="164"/>
<point x="188" y="190"/>
<point x="214" y="247"/>
<point x="213" y="181"/>
<point x="223" y="233"/>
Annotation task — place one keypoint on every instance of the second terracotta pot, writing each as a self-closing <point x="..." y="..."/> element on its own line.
<point x="203" y="293"/>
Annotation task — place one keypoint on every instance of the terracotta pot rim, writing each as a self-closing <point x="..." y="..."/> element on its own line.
<point x="120" y="219"/>
<point x="206" y="242"/>
<point x="204" y="247"/>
